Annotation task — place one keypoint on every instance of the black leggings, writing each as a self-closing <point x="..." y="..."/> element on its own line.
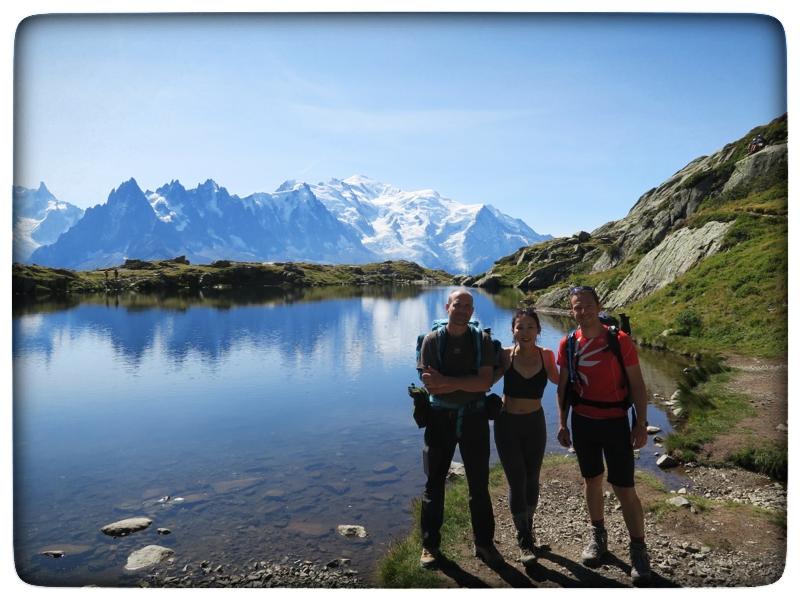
<point x="520" y="441"/>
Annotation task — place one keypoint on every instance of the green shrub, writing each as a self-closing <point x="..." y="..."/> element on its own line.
<point x="688" y="322"/>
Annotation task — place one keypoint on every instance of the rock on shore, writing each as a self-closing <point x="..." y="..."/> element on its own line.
<point x="147" y="557"/>
<point x="257" y="574"/>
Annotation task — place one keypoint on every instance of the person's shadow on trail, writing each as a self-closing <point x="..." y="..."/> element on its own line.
<point x="585" y="576"/>
<point x="538" y="573"/>
<point x="459" y="575"/>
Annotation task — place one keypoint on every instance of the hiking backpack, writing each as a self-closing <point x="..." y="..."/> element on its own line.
<point x="440" y="327"/>
<point x="612" y="342"/>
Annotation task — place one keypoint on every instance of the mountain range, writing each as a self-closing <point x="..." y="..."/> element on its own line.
<point x="39" y="218"/>
<point x="354" y="220"/>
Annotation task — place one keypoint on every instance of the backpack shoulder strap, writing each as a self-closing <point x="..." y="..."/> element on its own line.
<point x="441" y="342"/>
<point x="477" y="337"/>
<point x="613" y="345"/>
<point x="572" y="349"/>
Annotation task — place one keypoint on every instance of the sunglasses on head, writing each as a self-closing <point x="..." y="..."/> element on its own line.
<point x="582" y="288"/>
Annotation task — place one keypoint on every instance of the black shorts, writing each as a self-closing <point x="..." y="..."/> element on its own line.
<point x="593" y="438"/>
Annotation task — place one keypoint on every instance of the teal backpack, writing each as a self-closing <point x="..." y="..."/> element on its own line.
<point x="420" y="406"/>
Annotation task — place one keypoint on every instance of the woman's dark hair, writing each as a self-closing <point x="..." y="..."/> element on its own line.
<point x="526" y="312"/>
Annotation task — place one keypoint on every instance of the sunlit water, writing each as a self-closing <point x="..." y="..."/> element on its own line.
<point x="275" y="419"/>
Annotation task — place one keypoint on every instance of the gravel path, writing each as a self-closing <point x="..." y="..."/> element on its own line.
<point x="719" y="540"/>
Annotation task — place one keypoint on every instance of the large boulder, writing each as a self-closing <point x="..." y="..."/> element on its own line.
<point x="488" y="282"/>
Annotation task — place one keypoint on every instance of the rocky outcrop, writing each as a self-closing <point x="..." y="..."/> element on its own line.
<point x="547" y="275"/>
<point x="664" y="209"/>
<point x="756" y="166"/>
<point x="547" y="262"/>
<point x="558" y="298"/>
<point x="666" y="262"/>
<point x="488" y="282"/>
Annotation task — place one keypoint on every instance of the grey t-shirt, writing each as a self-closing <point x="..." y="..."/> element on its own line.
<point x="458" y="360"/>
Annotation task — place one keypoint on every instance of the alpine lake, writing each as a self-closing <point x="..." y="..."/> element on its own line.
<point x="250" y="426"/>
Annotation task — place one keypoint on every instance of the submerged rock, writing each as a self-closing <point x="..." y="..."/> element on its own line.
<point x="126" y="526"/>
<point x="147" y="557"/>
<point x="236" y="485"/>
<point x="61" y="550"/>
<point x="384" y="467"/>
<point x="337" y="487"/>
<point x="309" y="529"/>
<point x="274" y="494"/>
<point x="352" y="531"/>
<point x="382" y="479"/>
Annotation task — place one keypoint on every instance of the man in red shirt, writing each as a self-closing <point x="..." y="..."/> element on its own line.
<point x="599" y="394"/>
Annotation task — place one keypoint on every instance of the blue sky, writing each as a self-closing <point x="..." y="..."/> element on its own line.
<point x="561" y="120"/>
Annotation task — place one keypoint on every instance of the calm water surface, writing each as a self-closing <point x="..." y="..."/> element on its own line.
<point x="274" y="418"/>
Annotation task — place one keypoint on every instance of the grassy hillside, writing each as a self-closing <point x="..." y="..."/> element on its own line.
<point x="734" y="301"/>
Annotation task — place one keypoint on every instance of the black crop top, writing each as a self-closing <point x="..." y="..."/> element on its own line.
<point x="518" y="386"/>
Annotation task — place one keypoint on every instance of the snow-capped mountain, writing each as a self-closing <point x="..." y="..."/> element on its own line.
<point x="423" y="226"/>
<point x="289" y="224"/>
<point x="124" y="227"/>
<point x="39" y="218"/>
<point x="354" y="220"/>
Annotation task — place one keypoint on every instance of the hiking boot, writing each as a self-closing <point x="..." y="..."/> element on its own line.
<point x="489" y="555"/>
<point x="525" y="539"/>
<point x="596" y="548"/>
<point x="527" y="555"/>
<point x="640" y="563"/>
<point x="428" y="558"/>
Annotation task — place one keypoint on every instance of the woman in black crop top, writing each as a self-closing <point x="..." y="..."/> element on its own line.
<point x="519" y="430"/>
